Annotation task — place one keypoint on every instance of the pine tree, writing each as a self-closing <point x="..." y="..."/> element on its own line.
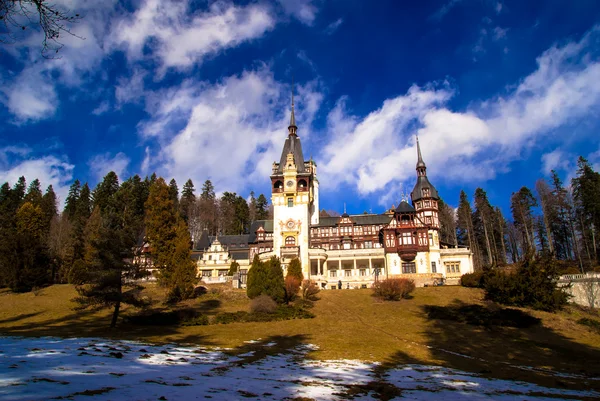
<point x="275" y="286"/>
<point x="465" y="228"/>
<point x="107" y="277"/>
<point x="295" y="270"/>
<point x="174" y="193"/>
<point x="170" y="243"/>
<point x="262" y="208"/>
<point x="234" y="268"/>
<point x="257" y="278"/>
<point x="31" y="270"/>
<point x="105" y="190"/>
<point x="49" y="208"/>
<point x="72" y="199"/>
<point x="483" y="219"/>
<point x="207" y="208"/>
<point x="34" y="193"/>
<point x="188" y="200"/>
<point x="522" y="204"/>
<point x="586" y="191"/>
<point x="252" y="208"/>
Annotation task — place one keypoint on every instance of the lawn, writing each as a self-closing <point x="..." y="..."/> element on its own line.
<point x="447" y="326"/>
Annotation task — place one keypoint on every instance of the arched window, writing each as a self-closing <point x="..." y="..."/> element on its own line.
<point x="290" y="241"/>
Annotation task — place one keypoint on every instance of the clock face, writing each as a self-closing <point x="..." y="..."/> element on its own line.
<point x="289" y="183"/>
<point x="290" y="224"/>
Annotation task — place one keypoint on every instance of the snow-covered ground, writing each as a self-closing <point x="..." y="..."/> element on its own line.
<point x="88" y="368"/>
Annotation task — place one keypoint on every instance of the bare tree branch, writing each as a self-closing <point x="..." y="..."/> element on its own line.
<point x="18" y="15"/>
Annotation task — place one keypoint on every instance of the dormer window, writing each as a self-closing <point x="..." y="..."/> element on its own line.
<point x="425" y="191"/>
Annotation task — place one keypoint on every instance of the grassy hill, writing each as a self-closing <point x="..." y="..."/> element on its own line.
<point x="449" y="326"/>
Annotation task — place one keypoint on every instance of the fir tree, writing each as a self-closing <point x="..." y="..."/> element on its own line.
<point x="170" y="243"/>
<point x="188" y="199"/>
<point x="34" y="193"/>
<point x="257" y="278"/>
<point x="72" y="199"/>
<point x="295" y="269"/>
<point x="174" y="193"/>
<point x="105" y="190"/>
<point x="234" y="267"/>
<point x="107" y="275"/>
<point x="262" y="208"/>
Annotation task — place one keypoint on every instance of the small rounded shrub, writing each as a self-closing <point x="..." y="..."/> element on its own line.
<point x="393" y="289"/>
<point x="263" y="304"/>
<point x="473" y="280"/>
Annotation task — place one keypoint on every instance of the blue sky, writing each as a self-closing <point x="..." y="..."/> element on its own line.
<point x="499" y="92"/>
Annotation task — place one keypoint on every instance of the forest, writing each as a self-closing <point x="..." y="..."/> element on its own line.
<point x="40" y="245"/>
<point x="555" y="220"/>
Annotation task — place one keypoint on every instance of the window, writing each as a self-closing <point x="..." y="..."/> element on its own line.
<point x="368" y="244"/>
<point x="222" y="273"/>
<point x="390" y="240"/>
<point x="347" y="273"/>
<point x="333" y="287"/>
<point x="433" y="267"/>
<point x="409" y="268"/>
<point x="332" y="273"/>
<point x="426" y="203"/>
<point x="290" y="202"/>
<point x="363" y="272"/>
<point x="290" y="241"/>
<point x="431" y="239"/>
<point x="209" y="257"/>
<point x="452" y="267"/>
<point x="206" y="273"/>
<point x="346" y="246"/>
<point x="407" y="239"/>
<point x="425" y="192"/>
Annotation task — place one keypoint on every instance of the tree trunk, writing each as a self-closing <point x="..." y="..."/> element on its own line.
<point x="115" y="315"/>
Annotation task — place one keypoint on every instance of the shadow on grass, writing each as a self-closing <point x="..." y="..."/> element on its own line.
<point x="209" y="306"/>
<point x="19" y="317"/>
<point x="505" y="343"/>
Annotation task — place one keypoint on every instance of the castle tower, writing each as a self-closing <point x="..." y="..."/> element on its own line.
<point x="425" y="199"/>
<point x="294" y="195"/>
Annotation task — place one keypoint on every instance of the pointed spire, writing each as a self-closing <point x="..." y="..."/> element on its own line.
<point x="421" y="167"/>
<point x="292" y="127"/>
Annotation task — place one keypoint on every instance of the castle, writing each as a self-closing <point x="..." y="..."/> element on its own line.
<point x="353" y="251"/>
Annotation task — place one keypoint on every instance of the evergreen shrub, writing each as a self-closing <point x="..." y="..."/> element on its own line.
<point x="532" y="285"/>
<point x="473" y="280"/>
<point x="393" y="289"/>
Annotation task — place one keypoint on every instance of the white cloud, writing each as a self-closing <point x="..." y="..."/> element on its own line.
<point x="31" y="95"/>
<point x="102" y="108"/>
<point x="498" y="7"/>
<point x="131" y="89"/>
<point x="181" y="39"/>
<point x="334" y="26"/>
<point x="232" y="130"/>
<point x="303" y="10"/>
<point x="102" y="164"/>
<point x="557" y="160"/>
<point x="378" y="151"/>
<point x="500" y="33"/>
<point x="445" y="9"/>
<point x="50" y="170"/>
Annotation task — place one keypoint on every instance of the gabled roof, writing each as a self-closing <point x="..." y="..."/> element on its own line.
<point x="267" y="225"/>
<point x="405" y="207"/>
